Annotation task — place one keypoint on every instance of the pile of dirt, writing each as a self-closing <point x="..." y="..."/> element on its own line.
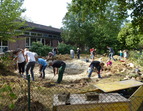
<point x="6" y="70"/>
<point x="126" y="68"/>
<point x="21" y="103"/>
<point x="60" y="57"/>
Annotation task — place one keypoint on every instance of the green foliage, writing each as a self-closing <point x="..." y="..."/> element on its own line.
<point x="40" y="49"/>
<point x="136" y="57"/>
<point x="7" y="90"/>
<point x="65" y="49"/>
<point x="10" y="20"/>
<point x="99" y="7"/>
<point x="92" y="24"/>
<point x="129" y="37"/>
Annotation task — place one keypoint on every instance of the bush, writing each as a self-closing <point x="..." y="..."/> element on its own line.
<point x="40" y="49"/>
<point x="136" y="56"/>
<point x="65" y="49"/>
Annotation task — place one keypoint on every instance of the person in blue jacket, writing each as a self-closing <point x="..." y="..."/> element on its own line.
<point x="42" y="66"/>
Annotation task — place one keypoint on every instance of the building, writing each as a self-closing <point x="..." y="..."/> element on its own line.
<point x="45" y="34"/>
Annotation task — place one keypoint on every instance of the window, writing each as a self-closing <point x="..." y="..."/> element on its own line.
<point x="39" y="34"/>
<point x="28" y="42"/>
<point x="3" y="45"/>
<point x="33" y="40"/>
<point x="45" y="35"/>
<point x="33" y="34"/>
<point x="43" y="41"/>
<point x="26" y="33"/>
<point x="50" y="35"/>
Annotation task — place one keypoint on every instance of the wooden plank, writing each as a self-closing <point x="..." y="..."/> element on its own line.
<point x="136" y="99"/>
<point x="121" y="106"/>
<point x="119" y="85"/>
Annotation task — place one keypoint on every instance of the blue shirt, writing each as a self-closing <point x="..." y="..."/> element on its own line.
<point x="42" y="62"/>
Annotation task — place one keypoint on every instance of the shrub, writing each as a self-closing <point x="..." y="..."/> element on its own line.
<point x="136" y="56"/>
<point x="65" y="49"/>
<point x="40" y="49"/>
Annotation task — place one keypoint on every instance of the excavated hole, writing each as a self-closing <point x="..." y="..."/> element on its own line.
<point x="75" y="69"/>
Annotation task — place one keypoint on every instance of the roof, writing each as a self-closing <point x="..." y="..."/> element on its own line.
<point x="43" y="27"/>
<point x="119" y="85"/>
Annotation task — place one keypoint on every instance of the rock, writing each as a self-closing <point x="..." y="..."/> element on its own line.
<point x="126" y="78"/>
<point x="138" y="78"/>
<point x="131" y="65"/>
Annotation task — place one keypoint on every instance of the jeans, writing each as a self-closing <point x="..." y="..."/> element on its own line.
<point x="90" y="70"/>
<point x="111" y="56"/>
<point x="30" y="66"/>
<point x="42" y="69"/>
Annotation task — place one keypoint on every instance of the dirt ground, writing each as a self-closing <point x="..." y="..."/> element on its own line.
<point x="75" y="80"/>
<point x="76" y="69"/>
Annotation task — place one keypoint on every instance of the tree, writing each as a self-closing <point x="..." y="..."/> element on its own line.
<point x="129" y="37"/>
<point x="10" y="20"/>
<point x="123" y="7"/>
<point x="92" y="26"/>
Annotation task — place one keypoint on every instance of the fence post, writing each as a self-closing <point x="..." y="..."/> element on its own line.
<point x="28" y="77"/>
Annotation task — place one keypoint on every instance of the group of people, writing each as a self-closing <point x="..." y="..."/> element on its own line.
<point x="123" y="55"/>
<point x="99" y="64"/>
<point x="72" y="53"/>
<point x="26" y="61"/>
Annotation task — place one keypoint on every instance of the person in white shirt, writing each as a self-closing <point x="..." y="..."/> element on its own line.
<point x="30" y="60"/>
<point x="72" y="53"/>
<point x="19" y="57"/>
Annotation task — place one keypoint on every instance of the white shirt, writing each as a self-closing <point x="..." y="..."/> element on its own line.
<point x="30" y="56"/>
<point x="71" y="51"/>
<point x="20" y="57"/>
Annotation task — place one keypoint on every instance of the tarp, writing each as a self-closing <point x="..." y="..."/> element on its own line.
<point x="119" y="85"/>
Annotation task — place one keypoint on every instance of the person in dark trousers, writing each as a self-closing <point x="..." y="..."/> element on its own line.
<point x="111" y="53"/>
<point x="42" y="66"/>
<point x="19" y="57"/>
<point x="98" y="65"/>
<point x="78" y="53"/>
<point x="58" y="68"/>
<point x="30" y="60"/>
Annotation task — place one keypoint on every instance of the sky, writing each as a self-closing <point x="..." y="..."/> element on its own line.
<point x="46" y="12"/>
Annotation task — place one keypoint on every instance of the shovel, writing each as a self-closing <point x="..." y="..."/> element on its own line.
<point x="51" y="79"/>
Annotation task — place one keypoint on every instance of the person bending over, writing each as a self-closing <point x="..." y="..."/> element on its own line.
<point x="95" y="64"/>
<point x="58" y="68"/>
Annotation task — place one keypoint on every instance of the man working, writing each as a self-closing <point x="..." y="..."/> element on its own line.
<point x="58" y="68"/>
<point x="98" y="65"/>
<point x="111" y="53"/>
<point x="30" y="60"/>
<point x="42" y="66"/>
<point x="50" y="56"/>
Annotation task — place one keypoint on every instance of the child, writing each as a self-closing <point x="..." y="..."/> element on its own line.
<point x="125" y="54"/>
<point x="120" y="54"/>
<point x="109" y="63"/>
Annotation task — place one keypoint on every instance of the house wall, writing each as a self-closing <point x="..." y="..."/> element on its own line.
<point x="55" y="43"/>
<point x="19" y="43"/>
